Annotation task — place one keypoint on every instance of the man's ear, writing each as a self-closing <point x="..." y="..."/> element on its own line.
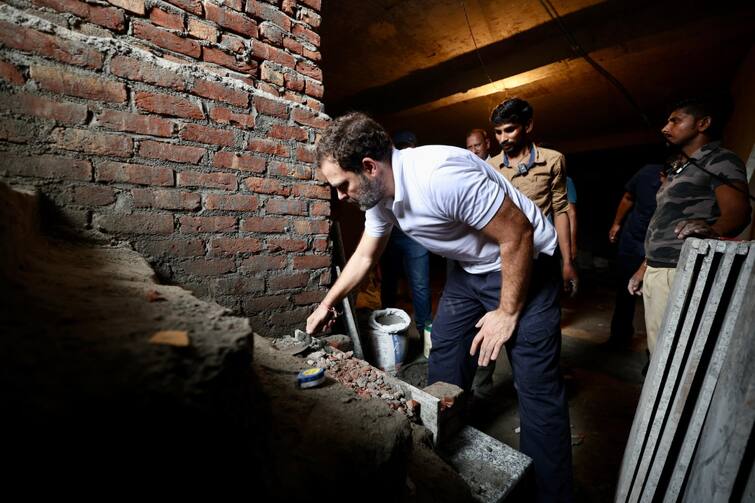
<point x="703" y="123"/>
<point x="369" y="166"/>
<point x="529" y="126"/>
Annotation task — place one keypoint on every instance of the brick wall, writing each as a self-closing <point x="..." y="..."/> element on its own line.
<point x="184" y="127"/>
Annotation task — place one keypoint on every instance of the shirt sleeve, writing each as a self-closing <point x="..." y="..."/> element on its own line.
<point x="376" y="225"/>
<point x="558" y="186"/>
<point x="468" y="193"/>
<point x="631" y="185"/>
<point x="728" y="166"/>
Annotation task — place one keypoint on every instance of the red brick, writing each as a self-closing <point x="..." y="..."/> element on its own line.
<point x="263" y="263"/>
<point x="289" y="7"/>
<point x="307" y="227"/>
<point x="242" y="162"/>
<point x="227" y="116"/>
<point x="233" y="43"/>
<point x="309" y="119"/>
<point x="295" y="82"/>
<point x="291" y="170"/>
<point x="232" y="202"/>
<point x="314" y="89"/>
<point x="140" y="174"/>
<point x="225" y="181"/>
<point x="46" y="166"/>
<point x="309" y="17"/>
<point x="311" y="191"/>
<point x="92" y="195"/>
<point x="266" y="87"/>
<point x="312" y="297"/>
<point x="288" y="132"/>
<point x="271" y="108"/>
<point x="209" y="267"/>
<point x="92" y="88"/>
<point x="171" y="152"/>
<point x="166" y="104"/>
<point x="221" y="92"/>
<point x="193" y="6"/>
<point x="267" y="147"/>
<point x="166" y="39"/>
<point x="166" y="199"/>
<point x="313" y="55"/>
<point x="302" y="31"/>
<point x="269" y="73"/>
<point x="267" y="186"/>
<point x="266" y="224"/>
<point x="202" y="30"/>
<point x="234" y="4"/>
<point x="167" y="19"/>
<point x="309" y="69"/>
<point x="288" y="245"/>
<point x="231" y="246"/>
<point x="305" y="154"/>
<point x="49" y="46"/>
<point x="269" y="13"/>
<point x="135" y="6"/>
<point x="237" y="285"/>
<point x="319" y="209"/>
<point x="135" y="123"/>
<point x="71" y="113"/>
<point x="286" y="207"/>
<point x="290" y="317"/>
<point x="134" y="223"/>
<point x="11" y="74"/>
<point x="288" y="281"/>
<point x="231" y="20"/>
<point x="320" y="245"/>
<point x="133" y="69"/>
<point x="266" y="52"/>
<point x="82" y="140"/>
<point x="311" y="262"/>
<point x="293" y="46"/>
<point x="171" y="247"/>
<point x="104" y="16"/>
<point x="265" y="303"/>
<point x="271" y="33"/>
<point x="206" y="224"/>
<point x="209" y="135"/>
<point x="314" y="104"/>
<point x="228" y="60"/>
<point x="314" y="4"/>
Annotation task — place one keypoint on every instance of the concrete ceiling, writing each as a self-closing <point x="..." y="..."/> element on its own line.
<point x="413" y="63"/>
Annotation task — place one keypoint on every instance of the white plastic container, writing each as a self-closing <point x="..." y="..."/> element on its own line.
<point x="427" y="341"/>
<point x="387" y="334"/>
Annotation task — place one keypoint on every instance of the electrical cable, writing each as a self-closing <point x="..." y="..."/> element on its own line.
<point x="476" y="48"/>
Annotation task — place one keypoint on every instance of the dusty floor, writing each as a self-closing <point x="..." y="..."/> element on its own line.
<point x="603" y="387"/>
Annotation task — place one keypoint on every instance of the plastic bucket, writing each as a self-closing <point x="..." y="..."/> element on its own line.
<point x="387" y="333"/>
<point x="427" y="341"/>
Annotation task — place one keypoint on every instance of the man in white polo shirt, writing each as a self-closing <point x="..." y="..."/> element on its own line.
<point x="503" y="288"/>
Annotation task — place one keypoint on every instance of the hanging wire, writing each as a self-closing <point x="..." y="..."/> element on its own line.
<point x="476" y="48"/>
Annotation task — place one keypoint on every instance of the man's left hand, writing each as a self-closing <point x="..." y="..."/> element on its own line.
<point x="699" y="228"/>
<point x="496" y="327"/>
<point x="571" y="281"/>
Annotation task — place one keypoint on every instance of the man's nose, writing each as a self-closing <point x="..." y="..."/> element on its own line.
<point x="341" y="195"/>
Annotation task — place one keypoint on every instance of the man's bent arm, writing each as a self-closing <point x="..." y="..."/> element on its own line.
<point x="735" y="215"/>
<point x="626" y="204"/>
<point x="365" y="256"/>
<point x="514" y="233"/>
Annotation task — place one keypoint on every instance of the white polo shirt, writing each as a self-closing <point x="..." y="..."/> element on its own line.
<point x="443" y="197"/>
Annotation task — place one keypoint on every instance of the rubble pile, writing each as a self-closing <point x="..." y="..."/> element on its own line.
<point x="363" y="378"/>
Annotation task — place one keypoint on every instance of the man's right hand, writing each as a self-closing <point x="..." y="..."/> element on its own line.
<point x="321" y="319"/>
<point x="613" y="234"/>
<point x="635" y="282"/>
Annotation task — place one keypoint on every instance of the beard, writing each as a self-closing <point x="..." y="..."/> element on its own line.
<point x="370" y="193"/>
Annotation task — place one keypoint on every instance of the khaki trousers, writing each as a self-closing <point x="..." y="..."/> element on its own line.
<point x="656" y="285"/>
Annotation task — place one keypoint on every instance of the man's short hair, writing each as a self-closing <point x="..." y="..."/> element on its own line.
<point x="514" y="110"/>
<point x="714" y="107"/>
<point x="479" y="131"/>
<point x="351" y="138"/>
<point x="404" y="139"/>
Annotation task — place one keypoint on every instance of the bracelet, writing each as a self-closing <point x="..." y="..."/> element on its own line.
<point x="330" y="309"/>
